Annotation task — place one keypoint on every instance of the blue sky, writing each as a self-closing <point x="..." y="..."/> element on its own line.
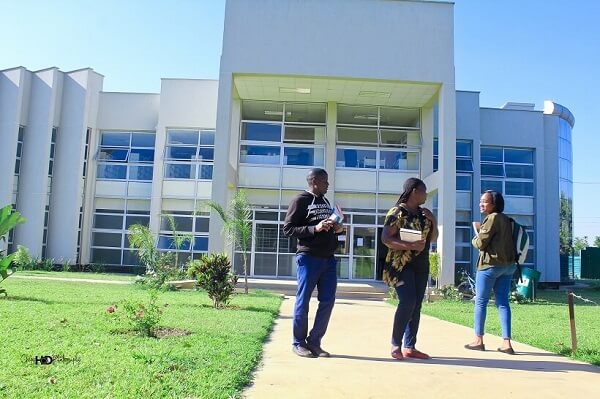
<point x="510" y="50"/>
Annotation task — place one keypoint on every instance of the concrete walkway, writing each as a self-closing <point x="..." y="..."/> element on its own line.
<point x="358" y="338"/>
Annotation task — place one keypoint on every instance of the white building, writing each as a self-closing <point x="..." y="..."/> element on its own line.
<point x="369" y="95"/>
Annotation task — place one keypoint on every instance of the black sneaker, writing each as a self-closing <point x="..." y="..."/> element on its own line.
<point x="317" y="351"/>
<point x="302" y="351"/>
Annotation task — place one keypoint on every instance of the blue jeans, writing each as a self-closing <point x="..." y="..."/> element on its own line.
<point x="408" y="312"/>
<point x="320" y="273"/>
<point x="498" y="278"/>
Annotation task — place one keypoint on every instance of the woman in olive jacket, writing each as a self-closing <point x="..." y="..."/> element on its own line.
<point x="495" y="268"/>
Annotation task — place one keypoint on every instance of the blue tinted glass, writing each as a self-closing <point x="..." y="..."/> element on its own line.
<point x="114" y="172"/>
<point x="520" y="171"/>
<point x="464" y="165"/>
<point x="351" y="158"/>
<point x="178" y="171"/>
<point x="298" y="156"/>
<point x="492" y="170"/>
<point x="463" y="149"/>
<point x="495" y="185"/>
<point x="138" y="155"/>
<point x="435" y="164"/>
<point x="489" y="154"/>
<point x="261" y="132"/>
<point x="392" y="160"/>
<point x="113" y="154"/>
<point x="436" y="147"/>
<point x="140" y="173"/>
<point x="142" y="140"/>
<point x="206" y="172"/>
<point x="463" y="183"/>
<point x="183" y="153"/>
<point x="261" y="155"/>
<point x="184" y="137"/>
<point x="115" y="139"/>
<point x="206" y="154"/>
<point x="201" y="244"/>
<point x="207" y="137"/>
<point x="518" y="156"/>
<point x="519" y="188"/>
<point x="165" y="242"/>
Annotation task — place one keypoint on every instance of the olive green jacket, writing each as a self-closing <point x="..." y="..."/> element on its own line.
<point x="494" y="241"/>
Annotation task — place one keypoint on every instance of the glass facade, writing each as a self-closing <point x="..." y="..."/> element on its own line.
<point x="126" y="157"/>
<point x="511" y="172"/>
<point x="374" y="140"/>
<point x="282" y="134"/>
<point x="189" y="154"/>
<point x="565" y="185"/>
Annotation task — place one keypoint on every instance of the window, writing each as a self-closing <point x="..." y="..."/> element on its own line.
<point x="282" y="134"/>
<point x="126" y="156"/>
<point x="52" y="150"/>
<point x="189" y="154"/>
<point x="380" y="138"/>
<point x="110" y="238"/>
<point x="464" y="182"/>
<point x="511" y="172"/>
<point x="188" y="224"/>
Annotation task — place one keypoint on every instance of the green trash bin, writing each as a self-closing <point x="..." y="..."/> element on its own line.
<point x="526" y="285"/>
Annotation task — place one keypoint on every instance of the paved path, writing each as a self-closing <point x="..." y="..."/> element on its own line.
<point x="358" y="338"/>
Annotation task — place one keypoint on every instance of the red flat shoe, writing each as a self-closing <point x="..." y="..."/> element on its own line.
<point x="415" y="354"/>
<point x="397" y="354"/>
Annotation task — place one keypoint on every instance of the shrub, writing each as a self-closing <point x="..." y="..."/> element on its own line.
<point x="142" y="317"/>
<point x="515" y="297"/>
<point x="214" y="274"/>
<point x="24" y="260"/>
<point x="451" y="292"/>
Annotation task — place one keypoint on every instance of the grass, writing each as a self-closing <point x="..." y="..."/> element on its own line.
<point x="44" y="317"/>
<point x="543" y="324"/>
<point x="80" y="275"/>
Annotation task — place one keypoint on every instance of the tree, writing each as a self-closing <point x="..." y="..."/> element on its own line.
<point x="580" y="243"/>
<point x="597" y="242"/>
<point x="237" y="224"/>
<point x="9" y="219"/>
<point x="566" y="225"/>
<point x="179" y="240"/>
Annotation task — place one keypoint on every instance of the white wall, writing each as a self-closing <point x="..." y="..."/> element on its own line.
<point x="184" y="103"/>
<point x="381" y="39"/>
<point x="80" y="88"/>
<point x="12" y="87"/>
<point x="548" y="190"/>
<point x="44" y="108"/>
<point x="128" y="111"/>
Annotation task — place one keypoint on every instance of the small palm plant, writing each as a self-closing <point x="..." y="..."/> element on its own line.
<point x="237" y="224"/>
<point x="9" y="219"/>
<point x="179" y="240"/>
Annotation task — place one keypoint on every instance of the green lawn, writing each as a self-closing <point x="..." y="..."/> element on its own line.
<point x="84" y="275"/>
<point x="42" y="317"/>
<point x="543" y="324"/>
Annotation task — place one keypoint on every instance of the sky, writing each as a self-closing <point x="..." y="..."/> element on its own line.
<point x="509" y="50"/>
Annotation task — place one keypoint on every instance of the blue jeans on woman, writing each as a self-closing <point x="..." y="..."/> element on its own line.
<point x="499" y="279"/>
<point x="408" y="312"/>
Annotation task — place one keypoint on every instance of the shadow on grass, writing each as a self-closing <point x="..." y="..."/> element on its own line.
<point x="30" y="299"/>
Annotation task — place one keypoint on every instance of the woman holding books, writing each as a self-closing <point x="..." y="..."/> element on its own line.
<point x="408" y="231"/>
